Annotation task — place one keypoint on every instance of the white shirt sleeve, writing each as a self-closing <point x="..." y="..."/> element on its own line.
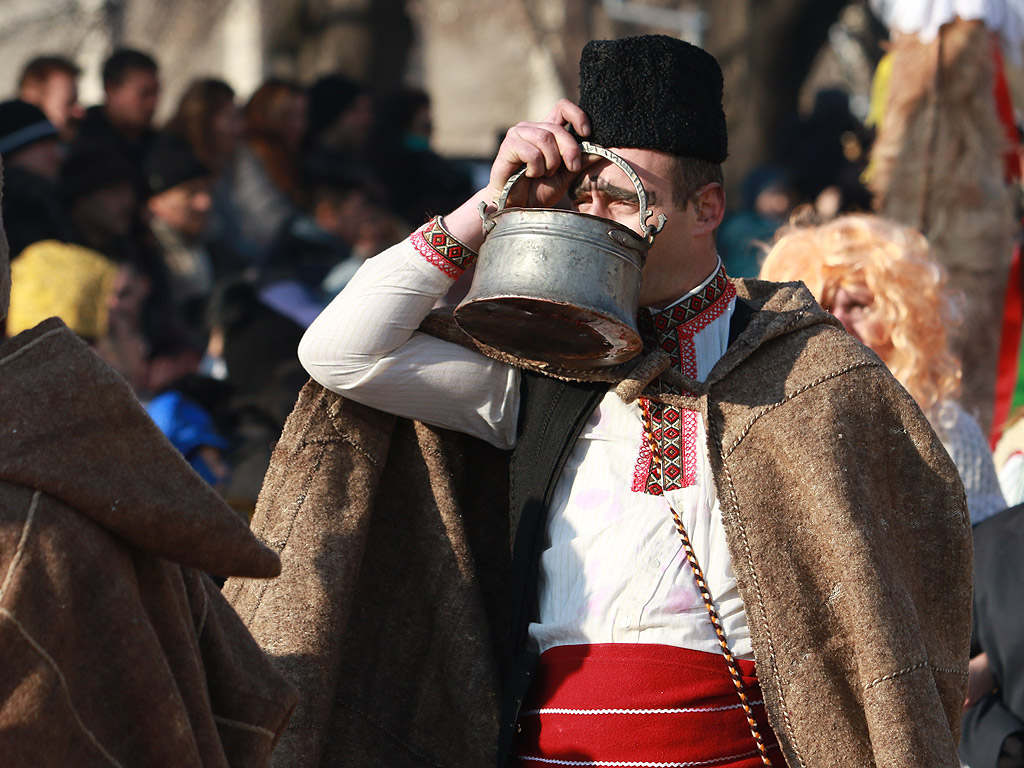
<point x="365" y="346"/>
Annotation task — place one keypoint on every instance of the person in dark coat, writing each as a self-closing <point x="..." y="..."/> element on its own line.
<point x="993" y="728"/>
<point x="123" y="123"/>
<point x="31" y="153"/>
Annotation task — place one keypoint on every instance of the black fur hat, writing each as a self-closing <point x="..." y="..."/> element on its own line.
<point x="654" y="92"/>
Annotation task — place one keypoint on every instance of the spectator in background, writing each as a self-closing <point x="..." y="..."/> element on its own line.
<point x="101" y="197"/>
<point x="993" y="723"/>
<point x="340" y="119"/>
<point x="256" y="346"/>
<point x="124" y="122"/>
<point x="51" y="83"/>
<point x="80" y="286"/>
<point x="879" y="279"/>
<point x="210" y="121"/>
<point x="31" y="155"/>
<point x="99" y="189"/>
<point x="179" y="204"/>
<point x="267" y="182"/>
<point x="420" y="182"/>
<point x="745" y="235"/>
<point x="826" y="152"/>
<point x="316" y="245"/>
<point x="60" y="280"/>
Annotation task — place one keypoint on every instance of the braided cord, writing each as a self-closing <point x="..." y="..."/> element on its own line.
<point x="705" y="593"/>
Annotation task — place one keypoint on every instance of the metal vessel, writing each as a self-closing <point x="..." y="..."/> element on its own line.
<point x="559" y="287"/>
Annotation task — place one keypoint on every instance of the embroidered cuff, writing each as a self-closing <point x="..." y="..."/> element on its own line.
<point x="433" y="242"/>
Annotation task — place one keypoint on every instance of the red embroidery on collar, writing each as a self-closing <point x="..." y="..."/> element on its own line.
<point x="442" y="250"/>
<point x="675" y="429"/>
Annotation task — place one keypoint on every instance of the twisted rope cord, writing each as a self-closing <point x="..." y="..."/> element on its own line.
<point x="705" y="593"/>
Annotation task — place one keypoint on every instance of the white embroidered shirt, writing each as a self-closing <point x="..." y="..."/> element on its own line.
<point x="613" y="569"/>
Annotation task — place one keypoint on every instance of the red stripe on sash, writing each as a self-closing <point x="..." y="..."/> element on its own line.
<point x="629" y="704"/>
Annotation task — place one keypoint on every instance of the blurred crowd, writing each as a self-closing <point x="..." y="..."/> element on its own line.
<point x="192" y="255"/>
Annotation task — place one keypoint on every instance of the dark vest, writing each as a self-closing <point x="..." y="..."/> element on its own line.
<point x="552" y="414"/>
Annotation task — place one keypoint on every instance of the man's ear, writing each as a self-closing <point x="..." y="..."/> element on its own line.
<point x="709" y="208"/>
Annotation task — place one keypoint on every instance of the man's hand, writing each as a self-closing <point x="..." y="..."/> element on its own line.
<point x="980" y="680"/>
<point x="550" y="153"/>
<point x="552" y="158"/>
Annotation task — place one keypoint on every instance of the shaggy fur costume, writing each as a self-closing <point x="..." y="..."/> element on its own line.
<point x="937" y="165"/>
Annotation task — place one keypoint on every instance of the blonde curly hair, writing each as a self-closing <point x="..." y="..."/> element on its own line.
<point x="911" y="310"/>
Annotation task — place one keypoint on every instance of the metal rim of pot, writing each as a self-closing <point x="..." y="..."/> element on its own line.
<point x="648" y="230"/>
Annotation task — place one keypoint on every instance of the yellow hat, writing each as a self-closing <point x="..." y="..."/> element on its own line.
<point x="71" y="282"/>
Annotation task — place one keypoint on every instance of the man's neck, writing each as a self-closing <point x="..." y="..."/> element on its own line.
<point x="672" y="288"/>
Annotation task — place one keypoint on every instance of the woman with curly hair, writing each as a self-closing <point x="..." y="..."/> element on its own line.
<point x="879" y="279"/>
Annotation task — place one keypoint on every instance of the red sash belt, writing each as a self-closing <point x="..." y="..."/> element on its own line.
<point x="624" y="704"/>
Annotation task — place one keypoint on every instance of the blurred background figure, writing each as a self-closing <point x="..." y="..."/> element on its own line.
<point x="943" y="160"/>
<point x="260" y="378"/>
<point x="210" y="121"/>
<point x="992" y="728"/>
<point x="81" y="287"/>
<point x="267" y="184"/>
<point x="179" y="205"/>
<point x="745" y="235"/>
<point x="31" y="157"/>
<point x="51" y="83"/>
<point x="340" y="119"/>
<point x="100" y="193"/>
<point x="123" y="123"/>
<point x="879" y="279"/>
<point x="420" y="183"/>
<point x="315" y="243"/>
<point x="54" y="279"/>
<point x="826" y="153"/>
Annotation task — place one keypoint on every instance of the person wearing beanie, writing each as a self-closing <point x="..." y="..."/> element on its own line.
<point x="53" y="279"/>
<point x="99" y="188"/>
<point x="179" y="204"/>
<point x="30" y="150"/>
<point x="744" y="547"/>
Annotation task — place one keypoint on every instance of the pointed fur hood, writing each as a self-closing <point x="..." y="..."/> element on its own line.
<point x="72" y="428"/>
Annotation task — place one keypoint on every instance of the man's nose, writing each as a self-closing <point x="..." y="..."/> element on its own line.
<point x="599" y="207"/>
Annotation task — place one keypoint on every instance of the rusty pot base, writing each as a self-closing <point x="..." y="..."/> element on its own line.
<point x="550" y="332"/>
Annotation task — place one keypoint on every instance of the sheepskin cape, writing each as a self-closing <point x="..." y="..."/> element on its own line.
<point x="116" y="649"/>
<point x="845" y="519"/>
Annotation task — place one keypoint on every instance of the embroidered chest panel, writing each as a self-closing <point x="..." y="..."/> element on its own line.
<point x="675" y="429"/>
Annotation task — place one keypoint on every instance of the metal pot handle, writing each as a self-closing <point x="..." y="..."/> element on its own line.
<point x="649" y="230"/>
